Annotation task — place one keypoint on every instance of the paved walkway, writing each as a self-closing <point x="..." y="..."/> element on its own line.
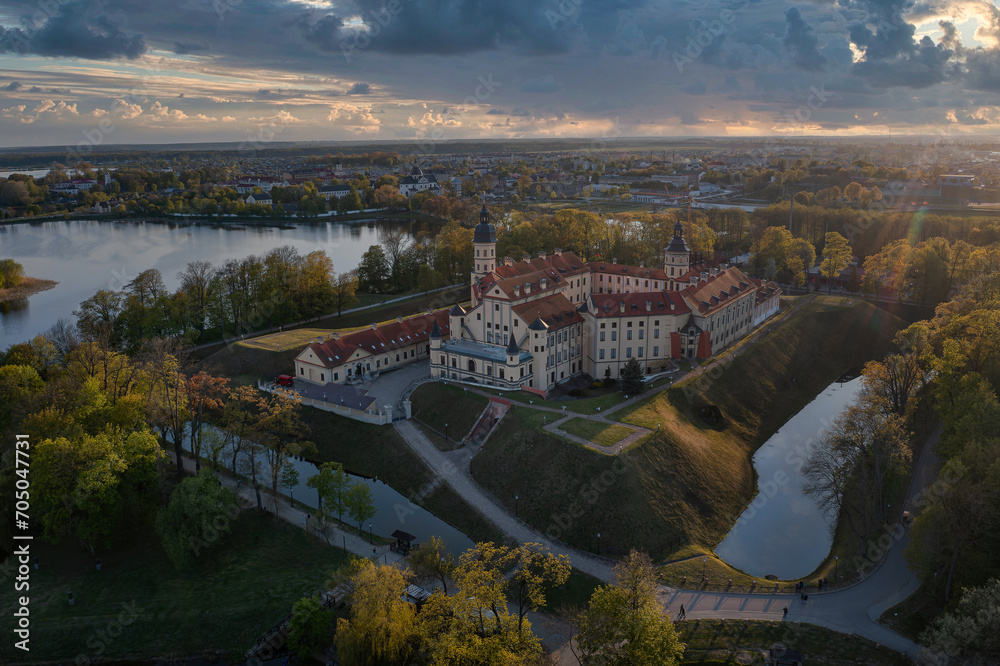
<point x="852" y="610"/>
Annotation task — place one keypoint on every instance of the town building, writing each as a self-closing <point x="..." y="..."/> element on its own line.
<point x="418" y="181"/>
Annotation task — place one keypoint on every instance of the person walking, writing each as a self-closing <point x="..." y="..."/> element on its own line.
<point x="784" y="612"/>
<point x="683" y="612"/>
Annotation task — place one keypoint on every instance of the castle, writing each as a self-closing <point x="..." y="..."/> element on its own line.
<point x="537" y="322"/>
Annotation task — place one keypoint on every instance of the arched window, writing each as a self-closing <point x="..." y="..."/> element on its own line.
<point x="472" y="365"/>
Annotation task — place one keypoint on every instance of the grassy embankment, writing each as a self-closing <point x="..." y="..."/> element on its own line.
<point x="446" y="412"/>
<point x="746" y="642"/>
<point x="686" y="485"/>
<point x="232" y="595"/>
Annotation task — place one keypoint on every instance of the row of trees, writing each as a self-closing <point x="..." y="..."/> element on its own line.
<point x="484" y="620"/>
<point x="237" y="295"/>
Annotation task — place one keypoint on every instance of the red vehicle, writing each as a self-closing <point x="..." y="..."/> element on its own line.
<point x="285" y="380"/>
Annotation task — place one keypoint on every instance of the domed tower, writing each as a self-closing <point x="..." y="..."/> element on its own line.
<point x="676" y="256"/>
<point x="484" y="243"/>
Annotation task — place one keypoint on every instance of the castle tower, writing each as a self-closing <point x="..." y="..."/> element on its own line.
<point x="676" y="256"/>
<point x="484" y="244"/>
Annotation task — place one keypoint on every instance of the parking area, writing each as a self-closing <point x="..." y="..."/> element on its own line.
<point x="390" y="385"/>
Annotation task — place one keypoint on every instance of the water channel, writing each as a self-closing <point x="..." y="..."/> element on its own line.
<point x="85" y="256"/>
<point x="393" y="511"/>
<point x="783" y="531"/>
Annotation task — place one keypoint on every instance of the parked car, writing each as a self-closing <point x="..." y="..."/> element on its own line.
<point x="285" y="380"/>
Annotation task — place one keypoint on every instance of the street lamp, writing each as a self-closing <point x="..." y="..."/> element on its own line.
<point x="516" y="497"/>
<point x="446" y="431"/>
<point x="704" y="567"/>
<point x="598" y="543"/>
<point x="371" y="536"/>
<point x="836" y="567"/>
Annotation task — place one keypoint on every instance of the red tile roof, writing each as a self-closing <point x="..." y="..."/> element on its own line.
<point x="555" y="310"/>
<point x="381" y="340"/>
<point x="638" y="305"/>
<point x="608" y="268"/>
<point x="715" y="292"/>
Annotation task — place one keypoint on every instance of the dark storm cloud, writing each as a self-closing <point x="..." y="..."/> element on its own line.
<point x="186" y="48"/>
<point x="800" y="40"/>
<point x="983" y="70"/>
<point x="360" y="89"/>
<point x="545" y="84"/>
<point x="927" y="64"/>
<point x="448" y="27"/>
<point x="13" y="86"/>
<point x="77" y="30"/>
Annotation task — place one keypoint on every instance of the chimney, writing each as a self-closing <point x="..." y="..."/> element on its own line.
<point x="525" y="257"/>
<point x="615" y="261"/>
<point x="694" y="279"/>
<point x="714" y="272"/>
<point x="399" y="320"/>
<point x="704" y="275"/>
<point x="541" y="254"/>
<point x="544" y="283"/>
<point x="374" y="326"/>
<point x="649" y="306"/>
<point x="507" y="261"/>
<point x="517" y="290"/>
<point x="558" y="251"/>
<point x="527" y="288"/>
<point x="621" y="306"/>
<point x="336" y="335"/>
<point x="642" y="264"/>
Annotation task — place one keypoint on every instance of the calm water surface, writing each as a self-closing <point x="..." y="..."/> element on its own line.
<point x="783" y="531"/>
<point x="88" y="255"/>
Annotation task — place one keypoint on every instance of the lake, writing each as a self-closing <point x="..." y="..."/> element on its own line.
<point x="85" y="256"/>
<point x="783" y="531"/>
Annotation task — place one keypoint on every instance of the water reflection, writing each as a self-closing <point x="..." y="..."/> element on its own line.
<point x="783" y="532"/>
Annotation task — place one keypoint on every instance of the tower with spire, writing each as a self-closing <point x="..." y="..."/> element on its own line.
<point x="484" y="244"/>
<point x="676" y="256"/>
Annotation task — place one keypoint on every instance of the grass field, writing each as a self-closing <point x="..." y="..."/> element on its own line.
<point x="746" y="642"/>
<point x="366" y="449"/>
<point x="438" y="404"/>
<point x="687" y="484"/>
<point x="596" y="432"/>
<point x="295" y="339"/>
<point x="231" y="596"/>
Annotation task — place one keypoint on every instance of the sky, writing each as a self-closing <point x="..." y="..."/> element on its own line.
<point x="99" y="72"/>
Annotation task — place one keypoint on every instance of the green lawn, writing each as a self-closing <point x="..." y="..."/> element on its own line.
<point x="587" y="405"/>
<point x="440" y="405"/>
<point x="366" y="449"/>
<point x="232" y="595"/>
<point x="596" y="432"/>
<point x="575" y="593"/>
<point x="746" y="642"/>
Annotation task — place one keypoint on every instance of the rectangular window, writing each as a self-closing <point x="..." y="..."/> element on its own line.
<point x="639" y="352"/>
<point x="442" y="360"/>
<point x="600" y="354"/>
<point x="628" y="334"/>
<point x="614" y="336"/>
<point x="322" y="377"/>
<point x="656" y="350"/>
<point x="656" y="333"/>
<point x="613" y="352"/>
<point x="336" y="376"/>
<point x="602" y="334"/>
<point x="496" y="307"/>
<point x="628" y="352"/>
<point x="602" y="324"/>
<point x="478" y="316"/>
<point x="640" y="334"/>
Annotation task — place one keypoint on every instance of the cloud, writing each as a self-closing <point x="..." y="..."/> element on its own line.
<point x="282" y="117"/>
<point x="76" y="31"/>
<point x="126" y="110"/>
<point x="800" y="39"/>
<point x="496" y="112"/>
<point x="360" y="89"/>
<point x="13" y="86"/>
<point x="545" y="84"/>
<point x="45" y="107"/>
<point x="187" y="48"/>
<point x="355" y="119"/>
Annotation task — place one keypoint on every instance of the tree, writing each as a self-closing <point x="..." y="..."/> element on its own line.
<point x="373" y="269"/>
<point x="280" y="430"/>
<point x="624" y="624"/>
<point x="359" y="503"/>
<point x="926" y="276"/>
<point x="969" y="632"/>
<point x="836" y="257"/>
<point x="199" y="515"/>
<point x="535" y="570"/>
<point x="884" y="270"/>
<point x="205" y="395"/>
<point x="331" y="484"/>
<point x="345" y="288"/>
<point x="91" y="485"/>
<point x="432" y="561"/>
<point x="851" y="469"/>
<point x="11" y="274"/>
<point x="382" y="626"/>
<point x="197" y="282"/>
<point x="309" y="629"/>
<point x="631" y="376"/>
